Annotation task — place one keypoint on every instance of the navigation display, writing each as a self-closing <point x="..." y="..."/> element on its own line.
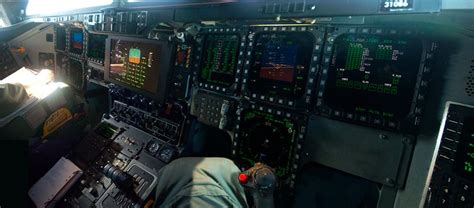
<point x="280" y="63"/>
<point x="373" y="74"/>
<point x="219" y="59"/>
<point x="266" y="138"/>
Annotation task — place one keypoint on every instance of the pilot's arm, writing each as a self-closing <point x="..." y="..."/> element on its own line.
<point x="200" y="182"/>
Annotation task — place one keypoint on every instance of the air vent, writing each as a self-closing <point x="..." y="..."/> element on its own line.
<point x="470" y="81"/>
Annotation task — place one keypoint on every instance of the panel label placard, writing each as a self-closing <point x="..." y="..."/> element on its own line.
<point x="396" y="5"/>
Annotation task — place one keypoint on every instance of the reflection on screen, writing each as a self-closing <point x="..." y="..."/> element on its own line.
<point x="280" y="63"/>
<point x="373" y="74"/>
<point x="96" y="47"/>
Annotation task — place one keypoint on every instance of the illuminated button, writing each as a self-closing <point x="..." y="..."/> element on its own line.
<point x="461" y="200"/>
<point x="280" y="101"/>
<point x="392" y="124"/>
<point x="350" y="116"/>
<point x="377" y="121"/>
<point x="337" y="113"/>
<point x="445" y="190"/>
<point x="363" y="118"/>
<point x="243" y="178"/>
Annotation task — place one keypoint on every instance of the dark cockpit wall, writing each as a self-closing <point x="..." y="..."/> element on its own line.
<point x="333" y="156"/>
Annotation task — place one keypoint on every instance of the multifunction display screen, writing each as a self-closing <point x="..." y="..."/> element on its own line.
<point x="373" y="74"/>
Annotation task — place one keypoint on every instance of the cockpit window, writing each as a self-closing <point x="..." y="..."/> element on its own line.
<point x="2" y="22"/>
<point x="42" y="7"/>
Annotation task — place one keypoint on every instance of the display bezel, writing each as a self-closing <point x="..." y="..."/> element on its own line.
<point x="83" y="78"/>
<point x="87" y="42"/>
<point x="303" y="101"/>
<point x="164" y="66"/>
<point x="56" y="38"/>
<point x="199" y="53"/>
<point x="412" y="120"/>
<point x="70" y="49"/>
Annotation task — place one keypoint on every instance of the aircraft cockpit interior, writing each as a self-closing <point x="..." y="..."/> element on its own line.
<point x="237" y="103"/>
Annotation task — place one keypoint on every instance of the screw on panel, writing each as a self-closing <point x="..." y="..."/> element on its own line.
<point x="383" y="136"/>
<point x="389" y="181"/>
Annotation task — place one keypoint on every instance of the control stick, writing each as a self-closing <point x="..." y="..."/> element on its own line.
<point x="261" y="181"/>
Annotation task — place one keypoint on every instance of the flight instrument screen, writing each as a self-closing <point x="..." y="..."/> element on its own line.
<point x="135" y="64"/>
<point x="76" y="41"/>
<point x="373" y="74"/>
<point x="280" y="63"/>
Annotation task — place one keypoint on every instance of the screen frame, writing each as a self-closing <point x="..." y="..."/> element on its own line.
<point x="70" y="49"/>
<point x="299" y="121"/>
<point x="56" y="38"/>
<point x="68" y="77"/>
<point x="199" y="53"/>
<point x="410" y="123"/>
<point x="87" y="41"/>
<point x="306" y="99"/>
<point x="164" y="66"/>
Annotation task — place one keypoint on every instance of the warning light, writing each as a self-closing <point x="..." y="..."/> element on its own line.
<point x="243" y="178"/>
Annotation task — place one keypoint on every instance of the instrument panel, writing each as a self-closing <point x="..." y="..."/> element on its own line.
<point x="263" y="85"/>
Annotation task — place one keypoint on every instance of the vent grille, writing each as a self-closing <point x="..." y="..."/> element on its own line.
<point x="470" y="81"/>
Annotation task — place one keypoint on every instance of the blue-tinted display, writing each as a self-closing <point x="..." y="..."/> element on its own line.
<point x="76" y="40"/>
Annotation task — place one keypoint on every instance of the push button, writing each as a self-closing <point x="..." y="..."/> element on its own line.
<point x="443" y="202"/>
<point x="461" y="200"/>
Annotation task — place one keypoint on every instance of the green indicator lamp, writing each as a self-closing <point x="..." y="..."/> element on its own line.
<point x="467" y="167"/>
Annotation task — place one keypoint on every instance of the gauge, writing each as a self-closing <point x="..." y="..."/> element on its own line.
<point x="166" y="155"/>
<point x="153" y="147"/>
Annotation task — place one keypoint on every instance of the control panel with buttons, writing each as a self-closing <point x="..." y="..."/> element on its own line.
<point x="213" y="109"/>
<point x="453" y="172"/>
<point x="162" y="128"/>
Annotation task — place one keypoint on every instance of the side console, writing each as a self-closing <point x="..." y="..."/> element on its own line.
<point x="452" y="170"/>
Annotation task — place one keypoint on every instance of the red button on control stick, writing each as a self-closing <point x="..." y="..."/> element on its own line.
<point x="243" y="178"/>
